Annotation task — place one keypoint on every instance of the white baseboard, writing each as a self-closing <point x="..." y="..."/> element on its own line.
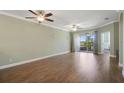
<point x="31" y="60"/>
<point x="113" y="56"/>
<point x="120" y="65"/>
<point x="103" y="53"/>
<point x="110" y="55"/>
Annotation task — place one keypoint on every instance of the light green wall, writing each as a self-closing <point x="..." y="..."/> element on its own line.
<point x="116" y="36"/>
<point x="109" y="28"/>
<point x="21" y="40"/>
<point x="121" y="39"/>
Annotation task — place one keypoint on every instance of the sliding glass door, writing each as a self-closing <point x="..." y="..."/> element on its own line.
<point x="87" y="42"/>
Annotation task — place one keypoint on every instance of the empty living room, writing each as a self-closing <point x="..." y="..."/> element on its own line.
<point x="61" y="46"/>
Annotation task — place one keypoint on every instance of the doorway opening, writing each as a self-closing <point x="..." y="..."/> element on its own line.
<point x="105" y="42"/>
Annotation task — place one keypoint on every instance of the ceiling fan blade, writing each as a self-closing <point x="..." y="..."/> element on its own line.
<point x="32" y="12"/>
<point x="48" y="14"/>
<point x="30" y="17"/>
<point x="49" y="20"/>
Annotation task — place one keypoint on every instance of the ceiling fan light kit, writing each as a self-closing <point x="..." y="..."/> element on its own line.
<point x="40" y="18"/>
<point x="74" y="29"/>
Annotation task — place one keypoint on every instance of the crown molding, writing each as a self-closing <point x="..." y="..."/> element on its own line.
<point x="56" y="27"/>
<point x="97" y="27"/>
<point x="21" y="18"/>
<point x="108" y="23"/>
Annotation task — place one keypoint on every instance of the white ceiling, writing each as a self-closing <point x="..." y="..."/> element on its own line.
<point x="64" y="19"/>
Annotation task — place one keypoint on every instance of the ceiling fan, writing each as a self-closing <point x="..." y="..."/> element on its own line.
<point x="76" y="27"/>
<point x="40" y="16"/>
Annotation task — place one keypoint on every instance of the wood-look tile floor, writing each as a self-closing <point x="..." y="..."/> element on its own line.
<point x="72" y="67"/>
